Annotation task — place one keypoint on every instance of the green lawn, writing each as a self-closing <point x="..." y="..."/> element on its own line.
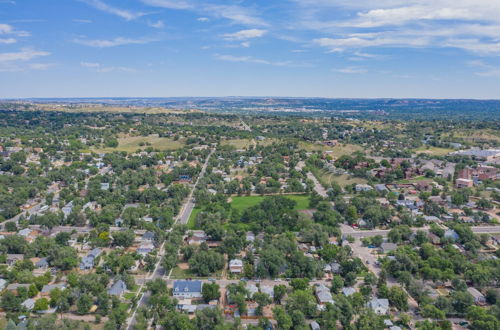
<point x="192" y="218"/>
<point x="129" y="295"/>
<point x="241" y="203"/>
<point x="186" y="273"/>
<point x="132" y="143"/>
<point x="435" y="151"/>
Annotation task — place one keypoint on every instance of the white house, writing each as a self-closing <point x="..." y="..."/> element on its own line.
<point x="187" y="289"/>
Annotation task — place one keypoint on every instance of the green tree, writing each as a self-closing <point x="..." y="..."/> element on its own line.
<point x="398" y="298"/>
<point x="210" y="291"/>
<point x="41" y="305"/>
<point x="83" y="304"/>
<point x="279" y="292"/>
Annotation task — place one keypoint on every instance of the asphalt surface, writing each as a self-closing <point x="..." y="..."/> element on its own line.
<point x="347" y="230"/>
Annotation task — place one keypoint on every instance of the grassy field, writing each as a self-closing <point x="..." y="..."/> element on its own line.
<point x="435" y="151"/>
<point x="343" y="180"/>
<point x="477" y="135"/>
<point x="238" y="143"/>
<point x="178" y="272"/>
<point x="132" y="143"/>
<point x="414" y="180"/>
<point x="241" y="203"/>
<point x="192" y="218"/>
<point x="337" y="151"/>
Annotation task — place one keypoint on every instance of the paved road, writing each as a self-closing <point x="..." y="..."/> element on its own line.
<point x="185" y="212"/>
<point x="347" y="230"/>
<point x="159" y="271"/>
<point x="317" y="186"/>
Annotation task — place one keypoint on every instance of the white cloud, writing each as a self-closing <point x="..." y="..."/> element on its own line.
<point x="157" y="25"/>
<point x="170" y="4"/>
<point x="79" y="20"/>
<point x="125" y="14"/>
<point x="89" y="64"/>
<point x="203" y="19"/>
<point x="119" y="41"/>
<point x="7" y="29"/>
<point x="471" y="25"/>
<point x="245" y="34"/>
<point x="245" y="44"/>
<point x="17" y="61"/>
<point x="105" y="69"/>
<point x="341" y="44"/>
<point x="236" y="14"/>
<point x="350" y="70"/>
<point x="7" y="41"/>
<point x="251" y="59"/>
<point x="40" y="66"/>
<point x="25" y="54"/>
<point x="486" y="70"/>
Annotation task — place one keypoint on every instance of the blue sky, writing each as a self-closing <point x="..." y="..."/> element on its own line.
<point x="329" y="48"/>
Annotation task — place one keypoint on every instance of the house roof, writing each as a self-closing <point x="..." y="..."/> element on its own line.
<point x="387" y="247"/>
<point x="29" y="303"/>
<point x="378" y="303"/>
<point x="323" y="294"/>
<point x="347" y="291"/>
<point x="95" y="252"/>
<point x="149" y="235"/>
<point x="475" y="293"/>
<point x="236" y="263"/>
<point x="450" y="233"/>
<point x="183" y="286"/>
<point x="118" y="288"/>
<point x="42" y="263"/>
<point x="49" y="287"/>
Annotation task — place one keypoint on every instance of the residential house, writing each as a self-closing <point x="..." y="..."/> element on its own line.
<point x="388" y="247"/>
<point x="431" y="218"/>
<point x="148" y="236"/>
<point x="252" y="289"/>
<point x="479" y="298"/>
<point x="434" y="239"/>
<point x="145" y="248"/>
<point x="13" y="258"/>
<point x="29" y="304"/>
<point x="314" y="325"/>
<point x="187" y="289"/>
<point x="24" y="232"/>
<point x="197" y="237"/>
<point x="347" y="291"/>
<point x="89" y="260"/>
<point x="267" y="289"/>
<point x="451" y="234"/>
<point x="236" y="266"/>
<point x="67" y="209"/>
<point x="42" y="264"/>
<point x="363" y="187"/>
<point x="14" y="286"/>
<point x="47" y="289"/>
<point x="379" y="306"/>
<point x="3" y="283"/>
<point x="323" y="294"/>
<point x="464" y="183"/>
<point x="250" y="237"/>
<point x="118" y="288"/>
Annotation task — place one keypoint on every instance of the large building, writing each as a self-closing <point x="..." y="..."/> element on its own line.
<point x="488" y="155"/>
<point x="187" y="289"/>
